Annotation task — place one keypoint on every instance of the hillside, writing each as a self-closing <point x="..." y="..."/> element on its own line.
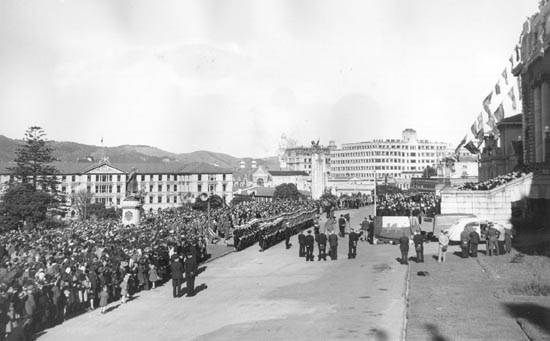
<point x="72" y="151"/>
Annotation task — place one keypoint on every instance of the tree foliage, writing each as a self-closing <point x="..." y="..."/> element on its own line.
<point x="83" y="201"/>
<point x="33" y="160"/>
<point x="100" y="212"/>
<point x="429" y="172"/>
<point x="215" y="202"/>
<point x="287" y="192"/>
<point x="33" y="190"/>
<point x="21" y="203"/>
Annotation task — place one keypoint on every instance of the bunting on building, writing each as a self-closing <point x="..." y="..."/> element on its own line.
<point x="487" y="103"/>
<point x="499" y="113"/>
<point x="512" y="97"/>
<point x="472" y="148"/>
<point x="505" y="75"/>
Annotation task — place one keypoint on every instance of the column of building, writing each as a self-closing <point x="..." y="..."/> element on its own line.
<point x="538" y="122"/>
<point x="545" y="116"/>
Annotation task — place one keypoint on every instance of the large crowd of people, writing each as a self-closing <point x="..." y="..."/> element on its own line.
<point x="49" y="275"/>
<point x="497" y="181"/>
<point x="421" y="204"/>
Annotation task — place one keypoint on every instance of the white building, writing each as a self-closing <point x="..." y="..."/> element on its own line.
<point x="400" y="159"/>
<point x="162" y="185"/>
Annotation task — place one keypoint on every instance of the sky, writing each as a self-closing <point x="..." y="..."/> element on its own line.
<point x="233" y="76"/>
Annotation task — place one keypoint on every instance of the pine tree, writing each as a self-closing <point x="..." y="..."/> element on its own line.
<point x="32" y="159"/>
<point x="33" y="190"/>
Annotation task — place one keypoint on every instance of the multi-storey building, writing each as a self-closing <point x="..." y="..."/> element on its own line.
<point x="395" y="158"/>
<point x="161" y="185"/>
<point x="299" y="158"/>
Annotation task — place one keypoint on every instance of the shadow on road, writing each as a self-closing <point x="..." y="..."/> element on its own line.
<point x="435" y="334"/>
<point x="379" y="334"/>
<point x="534" y="313"/>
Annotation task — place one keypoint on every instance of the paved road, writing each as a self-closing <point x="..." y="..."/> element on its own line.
<point x="271" y="295"/>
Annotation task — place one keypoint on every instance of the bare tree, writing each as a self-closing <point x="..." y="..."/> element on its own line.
<point x="82" y="200"/>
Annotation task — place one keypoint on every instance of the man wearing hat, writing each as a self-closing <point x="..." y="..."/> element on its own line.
<point x="322" y="245"/>
<point x="309" y="241"/>
<point x="191" y="268"/>
<point x="333" y="243"/>
<point x="177" y="275"/>
<point x="353" y="238"/>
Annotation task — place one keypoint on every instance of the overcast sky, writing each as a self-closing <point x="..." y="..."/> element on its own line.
<point x="232" y="76"/>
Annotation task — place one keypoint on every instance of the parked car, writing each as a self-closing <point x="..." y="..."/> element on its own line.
<point x="432" y="227"/>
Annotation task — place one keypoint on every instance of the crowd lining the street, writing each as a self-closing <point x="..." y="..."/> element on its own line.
<point x="47" y="276"/>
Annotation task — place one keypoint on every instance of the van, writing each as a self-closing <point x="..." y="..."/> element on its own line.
<point x="444" y="221"/>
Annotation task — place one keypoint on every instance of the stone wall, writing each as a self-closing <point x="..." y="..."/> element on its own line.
<point x="496" y="203"/>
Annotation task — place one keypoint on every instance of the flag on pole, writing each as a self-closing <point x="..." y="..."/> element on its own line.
<point x="487" y="103"/>
<point x="473" y="128"/>
<point x="480" y="120"/>
<point x="491" y="122"/>
<point x="499" y="113"/>
<point x="512" y="98"/>
<point x="471" y="148"/>
<point x="461" y="143"/>
<point x="101" y="139"/>
<point x="505" y="75"/>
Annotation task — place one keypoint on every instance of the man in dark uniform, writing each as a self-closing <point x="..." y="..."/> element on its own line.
<point x="404" y="247"/>
<point x="309" y="241"/>
<point x="177" y="275"/>
<point x="322" y="244"/>
<point x="333" y="242"/>
<point x="353" y="238"/>
<point x="301" y="242"/>
<point x="191" y="268"/>
<point x="342" y="225"/>
<point x="465" y="242"/>
<point x="418" y="241"/>
<point x="288" y="234"/>
<point x="370" y="238"/>
<point x="474" y="242"/>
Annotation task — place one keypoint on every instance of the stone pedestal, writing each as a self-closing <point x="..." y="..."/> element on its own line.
<point x="318" y="174"/>
<point x="131" y="212"/>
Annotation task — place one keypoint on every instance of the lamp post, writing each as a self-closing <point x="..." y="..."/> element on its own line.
<point x="374" y="196"/>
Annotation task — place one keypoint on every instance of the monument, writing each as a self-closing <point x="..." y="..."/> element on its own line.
<point x="318" y="170"/>
<point x="131" y="205"/>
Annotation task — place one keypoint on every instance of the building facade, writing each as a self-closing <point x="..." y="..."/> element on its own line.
<point x="300" y="158"/>
<point x="160" y="185"/>
<point x="403" y="158"/>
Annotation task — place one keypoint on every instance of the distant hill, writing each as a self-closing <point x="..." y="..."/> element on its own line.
<point x="72" y="151"/>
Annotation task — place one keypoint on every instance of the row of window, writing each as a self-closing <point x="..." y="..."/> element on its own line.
<point x="394" y="146"/>
<point x="401" y="168"/>
<point x="387" y="153"/>
<point x="401" y="161"/>
<point x="142" y="177"/>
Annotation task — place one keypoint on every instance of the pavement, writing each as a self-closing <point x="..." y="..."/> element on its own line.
<point x="272" y="295"/>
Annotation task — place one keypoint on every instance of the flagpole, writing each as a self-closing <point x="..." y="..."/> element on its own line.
<point x="102" y="150"/>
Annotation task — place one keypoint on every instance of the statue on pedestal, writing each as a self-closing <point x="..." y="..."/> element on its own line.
<point x="132" y="187"/>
